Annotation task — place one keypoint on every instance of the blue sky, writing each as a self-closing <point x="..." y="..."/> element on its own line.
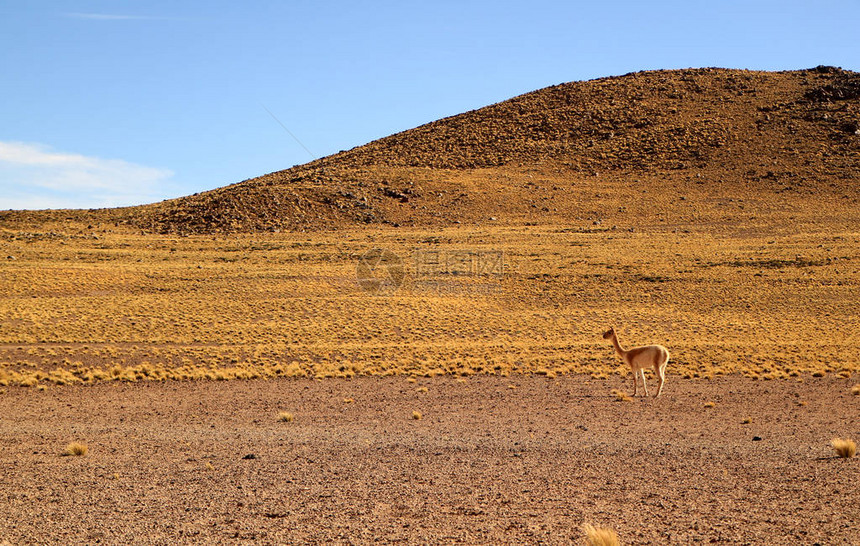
<point x="108" y="103"/>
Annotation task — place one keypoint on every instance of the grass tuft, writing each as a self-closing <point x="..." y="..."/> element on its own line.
<point x="844" y="447"/>
<point x="285" y="416"/>
<point x="855" y="390"/>
<point x="600" y="536"/>
<point x="621" y="396"/>
<point x="75" y="449"/>
<point x="416" y="415"/>
<point x="709" y="404"/>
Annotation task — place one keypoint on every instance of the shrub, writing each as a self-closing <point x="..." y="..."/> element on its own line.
<point x="416" y="415"/>
<point x="75" y="449"/>
<point x="621" y="396"/>
<point x="844" y="447"/>
<point x="600" y="536"/>
<point x="285" y="417"/>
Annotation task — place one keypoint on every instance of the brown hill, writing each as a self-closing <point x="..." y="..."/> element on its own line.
<point x="709" y="133"/>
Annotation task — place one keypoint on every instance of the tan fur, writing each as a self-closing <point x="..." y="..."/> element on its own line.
<point x="640" y="358"/>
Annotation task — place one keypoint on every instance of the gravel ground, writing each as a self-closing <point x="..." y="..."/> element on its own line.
<point x="519" y="459"/>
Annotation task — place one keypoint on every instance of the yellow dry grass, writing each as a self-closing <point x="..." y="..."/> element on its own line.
<point x="600" y="536"/>
<point x="621" y="396"/>
<point x="285" y="417"/>
<point x="83" y="305"/>
<point x="75" y="449"/>
<point x="844" y="447"/>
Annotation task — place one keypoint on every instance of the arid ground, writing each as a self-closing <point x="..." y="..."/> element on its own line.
<point x="461" y="272"/>
<point x="119" y="342"/>
<point x="491" y="460"/>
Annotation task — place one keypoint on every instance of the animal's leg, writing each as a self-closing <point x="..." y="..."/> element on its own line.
<point x="634" y="382"/>
<point x="661" y="372"/>
<point x="644" y="384"/>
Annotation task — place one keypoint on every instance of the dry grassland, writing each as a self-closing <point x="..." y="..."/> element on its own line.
<point x="714" y="212"/>
<point x="91" y="303"/>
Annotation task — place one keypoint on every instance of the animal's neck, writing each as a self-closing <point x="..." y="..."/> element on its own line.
<point x="618" y="347"/>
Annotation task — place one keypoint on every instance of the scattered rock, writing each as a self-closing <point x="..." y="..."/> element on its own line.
<point x="825" y="69"/>
<point x="389" y="192"/>
<point x="843" y="87"/>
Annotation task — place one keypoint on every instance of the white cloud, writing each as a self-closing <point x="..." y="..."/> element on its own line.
<point x="35" y="176"/>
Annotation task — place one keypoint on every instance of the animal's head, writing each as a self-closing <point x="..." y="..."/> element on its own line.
<point x="609" y="333"/>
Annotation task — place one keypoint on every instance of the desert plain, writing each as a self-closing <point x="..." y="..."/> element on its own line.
<point x="413" y="353"/>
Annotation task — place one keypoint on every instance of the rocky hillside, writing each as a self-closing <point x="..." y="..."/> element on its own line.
<point x="725" y="130"/>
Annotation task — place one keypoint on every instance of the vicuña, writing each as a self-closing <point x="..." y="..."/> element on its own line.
<point x="639" y="358"/>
